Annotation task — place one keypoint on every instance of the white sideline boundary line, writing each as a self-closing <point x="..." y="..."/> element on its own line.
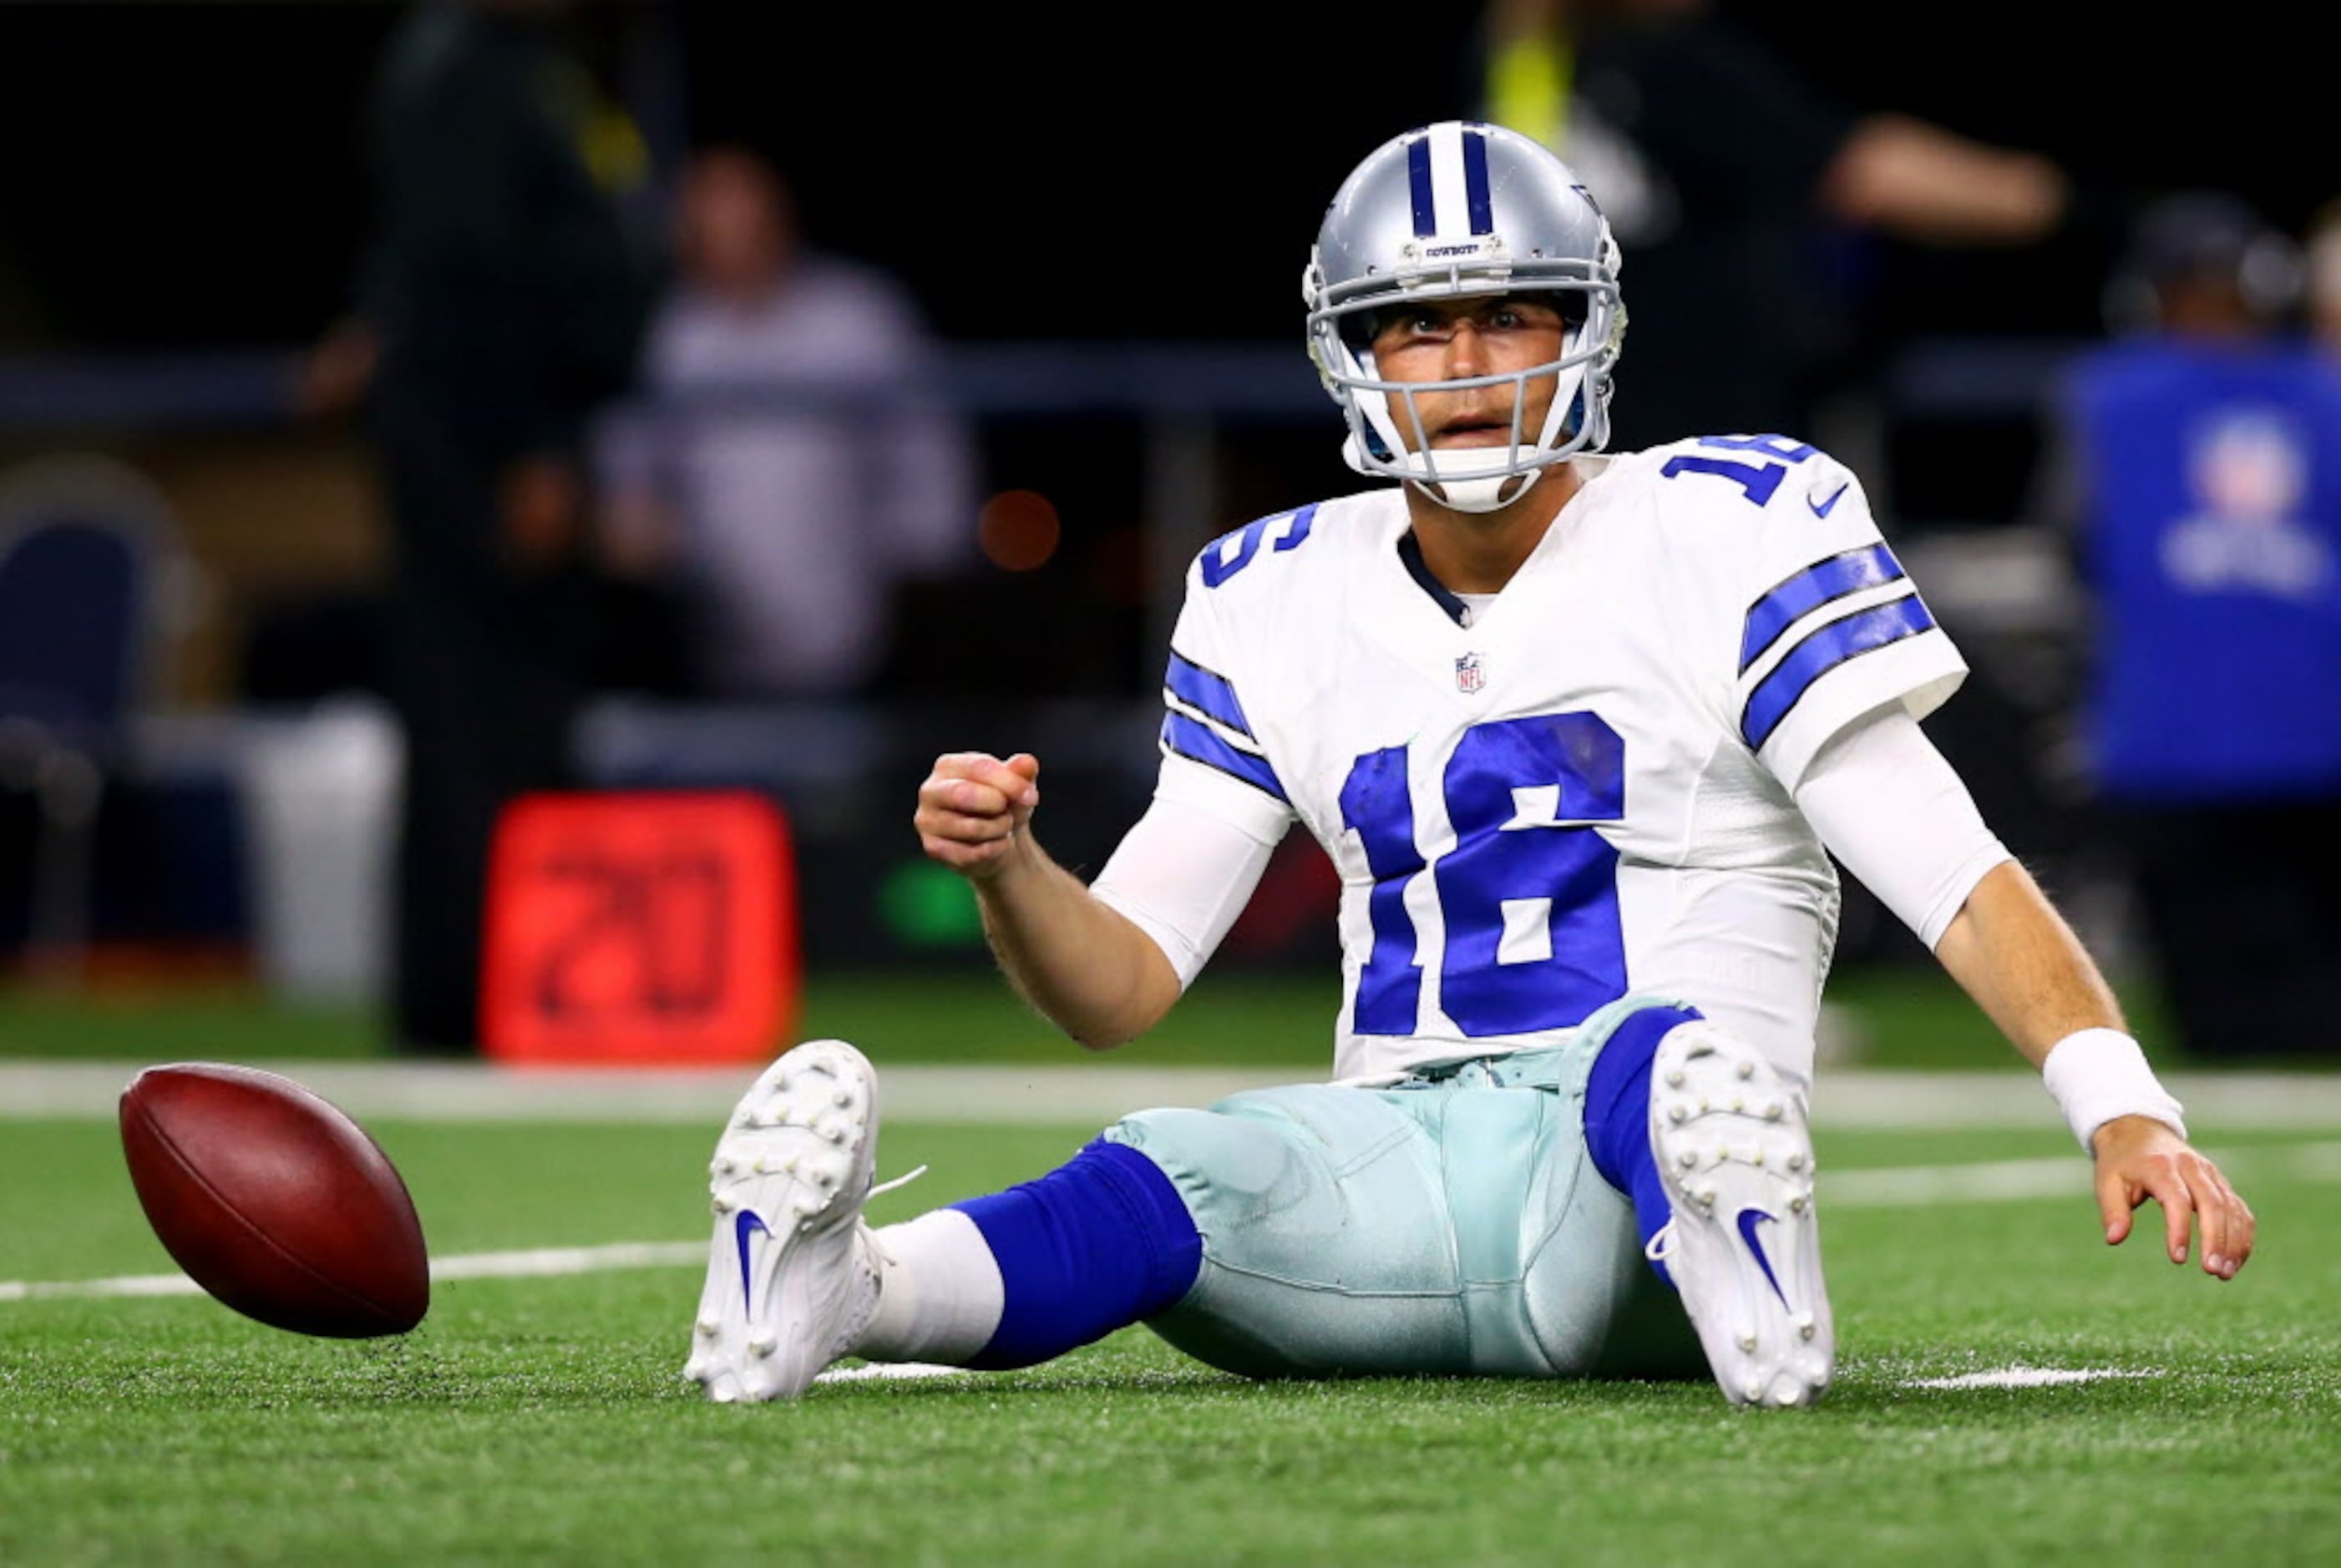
<point x="1051" y="1095"/>
<point x="1902" y="1187"/>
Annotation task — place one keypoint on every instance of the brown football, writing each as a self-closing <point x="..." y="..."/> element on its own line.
<point x="274" y="1201"/>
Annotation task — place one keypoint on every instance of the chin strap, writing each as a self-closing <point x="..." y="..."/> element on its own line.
<point x="1492" y="492"/>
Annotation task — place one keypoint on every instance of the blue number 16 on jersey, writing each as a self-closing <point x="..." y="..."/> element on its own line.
<point x="1527" y="865"/>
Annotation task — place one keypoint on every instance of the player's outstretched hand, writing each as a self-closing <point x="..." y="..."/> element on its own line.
<point x="2140" y="1159"/>
<point x="973" y="806"/>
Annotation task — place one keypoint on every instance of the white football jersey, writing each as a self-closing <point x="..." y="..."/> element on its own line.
<point x="1581" y="788"/>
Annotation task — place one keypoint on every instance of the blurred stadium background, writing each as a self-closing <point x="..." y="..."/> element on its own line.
<point x="1108" y="254"/>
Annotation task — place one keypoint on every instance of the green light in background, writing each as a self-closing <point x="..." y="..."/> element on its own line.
<point x="924" y="905"/>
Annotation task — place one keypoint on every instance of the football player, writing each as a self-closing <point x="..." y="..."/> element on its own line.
<point x="1581" y="733"/>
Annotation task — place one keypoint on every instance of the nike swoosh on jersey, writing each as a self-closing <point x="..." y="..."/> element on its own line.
<point x="1823" y="508"/>
<point x="749" y="1222"/>
<point x="1747" y="1222"/>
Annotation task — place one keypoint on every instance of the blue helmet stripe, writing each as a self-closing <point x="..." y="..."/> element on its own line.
<point x="1822" y="651"/>
<point x="1417" y="176"/>
<point x="1475" y="181"/>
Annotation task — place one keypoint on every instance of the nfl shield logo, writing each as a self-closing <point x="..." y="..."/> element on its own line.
<point x="1468" y="677"/>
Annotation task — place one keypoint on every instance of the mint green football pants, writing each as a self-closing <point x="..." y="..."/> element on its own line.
<point x="1451" y="1223"/>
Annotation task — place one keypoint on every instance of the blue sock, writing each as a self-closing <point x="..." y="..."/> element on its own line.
<point x="1618" y="1116"/>
<point x="1094" y="1245"/>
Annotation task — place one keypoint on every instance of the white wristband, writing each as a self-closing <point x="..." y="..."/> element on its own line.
<point x="2096" y="1075"/>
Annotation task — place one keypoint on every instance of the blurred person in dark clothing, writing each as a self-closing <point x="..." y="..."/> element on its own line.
<point x="500" y="301"/>
<point x="1715" y="160"/>
<point x="781" y="529"/>
<point x="2322" y="276"/>
<point x="2202" y="468"/>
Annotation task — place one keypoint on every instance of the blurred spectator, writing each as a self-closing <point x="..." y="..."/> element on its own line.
<point x="2206" y="468"/>
<point x="794" y="467"/>
<point x="1714" y="160"/>
<point x="500" y="303"/>
<point x="2324" y="276"/>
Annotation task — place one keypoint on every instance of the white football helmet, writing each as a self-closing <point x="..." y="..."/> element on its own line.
<point x="1454" y="210"/>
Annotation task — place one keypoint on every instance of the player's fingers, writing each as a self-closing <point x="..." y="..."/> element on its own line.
<point x="2251" y="1227"/>
<point x="2235" y="1221"/>
<point x="965" y="828"/>
<point x="2115" y="1198"/>
<point x="983" y="767"/>
<point x="1028" y="766"/>
<point x="2210" y="1211"/>
<point x="972" y="798"/>
<point x="2168" y="1189"/>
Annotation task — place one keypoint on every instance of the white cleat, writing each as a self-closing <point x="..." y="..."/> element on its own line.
<point x="1744" y="1246"/>
<point x="792" y="1271"/>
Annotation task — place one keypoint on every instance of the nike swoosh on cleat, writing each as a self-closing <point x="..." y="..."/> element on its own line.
<point x="749" y="1222"/>
<point x="1823" y="508"/>
<point x="1748" y="1218"/>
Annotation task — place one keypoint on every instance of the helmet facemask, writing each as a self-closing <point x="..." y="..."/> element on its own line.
<point x="1399" y="235"/>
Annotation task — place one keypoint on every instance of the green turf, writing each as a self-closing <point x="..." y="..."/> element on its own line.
<point x="540" y="1421"/>
<point x="1895" y="1015"/>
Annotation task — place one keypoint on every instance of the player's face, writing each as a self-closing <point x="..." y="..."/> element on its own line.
<point x="1453" y="340"/>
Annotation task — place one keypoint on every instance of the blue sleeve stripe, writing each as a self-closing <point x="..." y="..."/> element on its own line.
<point x="1195" y="742"/>
<point x="1206" y="693"/>
<point x="1808" y="591"/>
<point x="1822" y="651"/>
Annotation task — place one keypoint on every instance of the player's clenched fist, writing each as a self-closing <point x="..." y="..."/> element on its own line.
<point x="973" y="807"/>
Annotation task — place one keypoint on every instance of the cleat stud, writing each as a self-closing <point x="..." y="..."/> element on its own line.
<point x="707" y="1327"/>
<point x="1805" y="1331"/>
<point x="840" y="1099"/>
<point x="1747" y="1069"/>
<point x="1688" y="1159"/>
<point x="756" y="1385"/>
<point x="1675" y="1079"/>
<point x="789" y="1165"/>
<point x="835" y="1134"/>
<point x="1678" y="1114"/>
<point x="722" y="1205"/>
<point x="1774" y="1111"/>
<point x="722" y="1395"/>
<point x="761" y="1167"/>
<point x="1747" y="1342"/>
<point x="725" y="1165"/>
<point x="1797" y="1204"/>
<point x="1755" y="1394"/>
<point x="763" y="1345"/>
<point x="1795" y="1162"/>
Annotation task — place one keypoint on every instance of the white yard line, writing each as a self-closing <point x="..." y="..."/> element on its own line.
<point x="1096" y="1093"/>
<point x="889" y="1372"/>
<point x="2027" y="1377"/>
<point x="1902" y="1187"/>
<point x="529" y="1263"/>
